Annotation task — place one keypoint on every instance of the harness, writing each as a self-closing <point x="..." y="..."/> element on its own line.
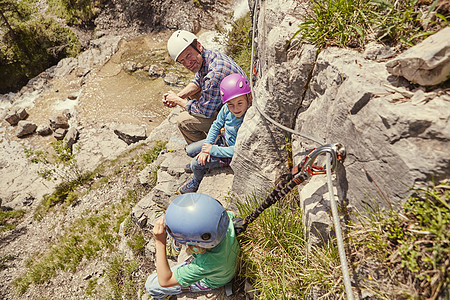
<point x="300" y="173"/>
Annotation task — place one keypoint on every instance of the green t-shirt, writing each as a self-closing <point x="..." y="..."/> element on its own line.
<point x="216" y="267"/>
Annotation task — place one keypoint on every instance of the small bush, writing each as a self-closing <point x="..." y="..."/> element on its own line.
<point x="9" y="218"/>
<point x="238" y="42"/>
<point x="151" y="155"/>
<point x="120" y="276"/>
<point x="80" y="12"/>
<point x="31" y="46"/>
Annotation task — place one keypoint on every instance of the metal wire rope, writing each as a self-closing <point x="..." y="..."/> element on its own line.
<point x="336" y="221"/>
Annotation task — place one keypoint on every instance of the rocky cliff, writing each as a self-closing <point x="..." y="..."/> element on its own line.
<point x="384" y="108"/>
<point x="395" y="133"/>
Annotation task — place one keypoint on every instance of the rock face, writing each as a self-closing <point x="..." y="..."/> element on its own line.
<point x="396" y="134"/>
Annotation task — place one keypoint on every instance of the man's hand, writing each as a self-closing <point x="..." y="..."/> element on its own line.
<point x="202" y="158"/>
<point x="171" y="99"/>
<point x="167" y="102"/>
<point x="159" y="231"/>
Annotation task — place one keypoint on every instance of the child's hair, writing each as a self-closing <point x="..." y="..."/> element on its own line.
<point x="191" y="249"/>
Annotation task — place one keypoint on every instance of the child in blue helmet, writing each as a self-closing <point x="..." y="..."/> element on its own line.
<point x="202" y="223"/>
<point x="216" y="150"/>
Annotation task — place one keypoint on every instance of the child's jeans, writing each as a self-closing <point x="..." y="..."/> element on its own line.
<point x="157" y="292"/>
<point x="197" y="169"/>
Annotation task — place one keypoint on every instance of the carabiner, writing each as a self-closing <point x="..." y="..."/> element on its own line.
<point x="307" y="165"/>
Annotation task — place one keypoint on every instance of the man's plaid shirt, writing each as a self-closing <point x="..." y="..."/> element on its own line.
<point x="216" y="66"/>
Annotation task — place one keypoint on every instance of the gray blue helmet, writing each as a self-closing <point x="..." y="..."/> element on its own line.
<point x="197" y="219"/>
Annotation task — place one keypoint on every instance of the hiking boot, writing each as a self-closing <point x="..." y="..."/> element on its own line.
<point x="188" y="169"/>
<point x="190" y="187"/>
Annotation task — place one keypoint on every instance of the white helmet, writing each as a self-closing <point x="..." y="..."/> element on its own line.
<point x="180" y="40"/>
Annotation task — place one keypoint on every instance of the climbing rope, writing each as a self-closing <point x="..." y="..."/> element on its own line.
<point x="302" y="172"/>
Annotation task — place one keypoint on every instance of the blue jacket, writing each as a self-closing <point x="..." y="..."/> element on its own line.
<point x="231" y="124"/>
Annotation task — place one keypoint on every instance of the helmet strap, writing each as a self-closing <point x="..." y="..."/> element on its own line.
<point x="194" y="45"/>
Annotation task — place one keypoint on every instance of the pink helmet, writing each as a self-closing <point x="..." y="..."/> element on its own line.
<point x="234" y="85"/>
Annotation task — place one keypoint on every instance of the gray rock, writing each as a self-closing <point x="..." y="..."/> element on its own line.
<point x="155" y="71"/>
<point x="378" y="52"/>
<point x="25" y="128"/>
<point x="427" y="63"/>
<point x="259" y="157"/>
<point x="59" y="122"/>
<point x="129" y="66"/>
<point x="12" y="118"/>
<point x="171" y="78"/>
<point x="59" y="133"/>
<point x="71" y="136"/>
<point x="130" y="133"/>
<point x="43" y="130"/>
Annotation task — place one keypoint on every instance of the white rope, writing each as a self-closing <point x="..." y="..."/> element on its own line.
<point x="337" y="229"/>
<point x="336" y="221"/>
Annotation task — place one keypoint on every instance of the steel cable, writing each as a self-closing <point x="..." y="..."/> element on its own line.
<point x="336" y="220"/>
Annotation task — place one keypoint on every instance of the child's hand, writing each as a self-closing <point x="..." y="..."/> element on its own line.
<point x="202" y="158"/>
<point x="206" y="148"/>
<point x="159" y="231"/>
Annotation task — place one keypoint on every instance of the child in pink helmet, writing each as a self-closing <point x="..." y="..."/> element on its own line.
<point x="217" y="149"/>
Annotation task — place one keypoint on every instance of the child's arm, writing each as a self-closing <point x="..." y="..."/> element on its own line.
<point x="218" y="123"/>
<point x="166" y="277"/>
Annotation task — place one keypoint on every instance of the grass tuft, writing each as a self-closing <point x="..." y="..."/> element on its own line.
<point x="351" y="23"/>
<point x="394" y="254"/>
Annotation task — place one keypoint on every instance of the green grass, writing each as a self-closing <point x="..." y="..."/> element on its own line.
<point x="9" y="218"/>
<point x="394" y="254"/>
<point x="84" y="239"/>
<point x="349" y="23"/>
<point x="275" y="258"/>
<point x="412" y="246"/>
<point x="96" y="232"/>
<point x="120" y="276"/>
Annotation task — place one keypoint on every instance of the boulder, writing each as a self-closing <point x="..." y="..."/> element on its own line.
<point x="59" y="133"/>
<point x="130" y="133"/>
<point x="25" y="128"/>
<point x="71" y="136"/>
<point x="22" y="113"/>
<point x="12" y="118"/>
<point x="427" y="63"/>
<point x="59" y="122"/>
<point x="43" y="130"/>
<point x="171" y="79"/>
<point x="155" y="71"/>
<point x="15" y="115"/>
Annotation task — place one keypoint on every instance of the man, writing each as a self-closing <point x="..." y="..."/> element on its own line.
<point x="209" y="67"/>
